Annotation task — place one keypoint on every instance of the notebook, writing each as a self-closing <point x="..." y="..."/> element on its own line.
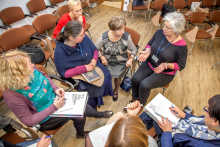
<point x="91" y="76"/>
<point x="158" y="107"/>
<point x="74" y="106"/>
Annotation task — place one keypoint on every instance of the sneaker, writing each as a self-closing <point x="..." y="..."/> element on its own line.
<point x="85" y="134"/>
<point x="107" y="114"/>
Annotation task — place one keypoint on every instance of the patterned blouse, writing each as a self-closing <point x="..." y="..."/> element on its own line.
<point x="119" y="49"/>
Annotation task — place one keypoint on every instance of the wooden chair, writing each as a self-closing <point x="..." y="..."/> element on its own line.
<point x="38" y="7"/>
<point x="65" y="9"/>
<point x="197" y="34"/>
<point x="93" y="2"/>
<point x="14" y="17"/>
<point x="144" y="8"/>
<point x="16" y="37"/>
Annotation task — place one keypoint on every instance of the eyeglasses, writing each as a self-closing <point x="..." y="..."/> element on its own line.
<point x="166" y="28"/>
<point x="206" y="109"/>
<point x="77" y="11"/>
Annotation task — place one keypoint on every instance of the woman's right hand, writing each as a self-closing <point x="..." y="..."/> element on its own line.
<point x="59" y="102"/>
<point x="144" y="55"/>
<point x="44" y="142"/>
<point x="104" y="61"/>
<point x="89" y="67"/>
<point x="179" y="113"/>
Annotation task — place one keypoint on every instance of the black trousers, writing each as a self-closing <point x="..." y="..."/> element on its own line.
<point x="144" y="79"/>
<point x="79" y="123"/>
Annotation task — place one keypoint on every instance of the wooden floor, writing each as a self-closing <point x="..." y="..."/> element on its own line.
<point x="193" y="86"/>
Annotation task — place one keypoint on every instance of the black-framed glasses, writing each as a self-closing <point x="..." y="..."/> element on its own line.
<point x="206" y="109"/>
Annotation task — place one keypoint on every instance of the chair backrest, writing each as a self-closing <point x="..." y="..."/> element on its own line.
<point x="11" y="14"/>
<point x="189" y="2"/>
<point x="41" y="68"/>
<point x="218" y="3"/>
<point x="207" y="3"/>
<point x="215" y="16"/>
<point x="197" y="17"/>
<point x="135" y="36"/>
<point x="44" y="22"/>
<point x="36" y="5"/>
<point x="63" y="9"/>
<point x="179" y="4"/>
<point x="14" y="38"/>
<point x="158" y="5"/>
<point x="56" y="1"/>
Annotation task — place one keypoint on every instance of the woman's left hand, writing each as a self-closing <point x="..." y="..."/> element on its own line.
<point x="129" y="62"/>
<point x="165" y="125"/>
<point x="160" y="68"/>
<point x="60" y="92"/>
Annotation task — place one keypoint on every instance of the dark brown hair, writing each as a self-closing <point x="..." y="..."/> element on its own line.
<point x="116" y="23"/>
<point x="72" y="28"/>
<point x="128" y="132"/>
<point x="214" y="107"/>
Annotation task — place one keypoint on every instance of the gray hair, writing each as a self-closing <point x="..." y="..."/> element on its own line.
<point x="177" y="21"/>
<point x="72" y="3"/>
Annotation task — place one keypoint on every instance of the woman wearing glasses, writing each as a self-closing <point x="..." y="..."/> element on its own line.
<point x="75" y="13"/>
<point x="116" y="44"/>
<point x="164" y="54"/>
<point x="191" y="131"/>
<point x="76" y="54"/>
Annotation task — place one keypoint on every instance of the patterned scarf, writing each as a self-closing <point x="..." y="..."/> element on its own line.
<point x="195" y="127"/>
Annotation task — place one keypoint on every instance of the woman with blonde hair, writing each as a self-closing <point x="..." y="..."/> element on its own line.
<point x="75" y="13"/>
<point x="30" y="93"/>
<point x="116" y="44"/>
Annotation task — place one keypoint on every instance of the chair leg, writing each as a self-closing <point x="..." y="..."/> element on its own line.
<point x="148" y="25"/>
<point x="124" y="14"/>
<point x="210" y="46"/>
<point x="90" y="11"/>
<point x="145" y="15"/>
<point x="53" y="141"/>
<point x="132" y="16"/>
<point x="191" y="48"/>
<point x="205" y="46"/>
<point x="89" y="34"/>
<point x="52" y="66"/>
<point x="97" y="5"/>
<point x="163" y="90"/>
<point x="214" y="65"/>
<point x="87" y="10"/>
<point x="149" y="15"/>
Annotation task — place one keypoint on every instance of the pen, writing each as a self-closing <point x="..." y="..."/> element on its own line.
<point x="127" y="107"/>
<point x="58" y="99"/>
<point x="45" y="137"/>
<point x="173" y="107"/>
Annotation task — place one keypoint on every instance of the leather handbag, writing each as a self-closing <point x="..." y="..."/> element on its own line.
<point x="167" y="9"/>
<point x="126" y="82"/>
<point x="34" y="52"/>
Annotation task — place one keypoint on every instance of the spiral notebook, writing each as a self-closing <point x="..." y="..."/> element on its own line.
<point x="74" y="106"/>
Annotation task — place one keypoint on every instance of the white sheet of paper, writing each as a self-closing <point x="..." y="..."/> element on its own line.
<point x="99" y="136"/>
<point x="161" y="105"/>
<point x="194" y="5"/>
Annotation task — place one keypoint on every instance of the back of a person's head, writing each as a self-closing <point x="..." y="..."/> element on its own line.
<point x="214" y="107"/>
<point x="128" y="132"/>
<point x="72" y="28"/>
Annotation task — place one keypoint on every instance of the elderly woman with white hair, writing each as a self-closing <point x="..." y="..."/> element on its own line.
<point x="75" y="13"/>
<point x="164" y="54"/>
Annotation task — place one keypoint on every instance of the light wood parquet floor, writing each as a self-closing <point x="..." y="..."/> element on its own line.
<point x="193" y="86"/>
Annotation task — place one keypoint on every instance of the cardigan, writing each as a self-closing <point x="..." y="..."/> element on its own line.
<point x="23" y="108"/>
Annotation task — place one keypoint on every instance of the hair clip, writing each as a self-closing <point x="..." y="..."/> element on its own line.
<point x="63" y="29"/>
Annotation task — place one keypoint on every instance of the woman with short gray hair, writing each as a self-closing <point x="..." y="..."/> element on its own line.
<point x="164" y="54"/>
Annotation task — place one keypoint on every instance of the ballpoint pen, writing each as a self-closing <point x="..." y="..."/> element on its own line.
<point x="173" y="107"/>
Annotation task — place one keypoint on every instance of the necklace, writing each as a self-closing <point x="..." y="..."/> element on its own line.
<point x="114" y="39"/>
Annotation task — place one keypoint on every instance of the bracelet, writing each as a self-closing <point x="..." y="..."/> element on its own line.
<point x="100" y="55"/>
<point x="132" y="58"/>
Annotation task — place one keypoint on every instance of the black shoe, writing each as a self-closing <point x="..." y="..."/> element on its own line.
<point x="85" y="134"/>
<point x="115" y="98"/>
<point x="95" y="108"/>
<point x="107" y="114"/>
<point x="188" y="109"/>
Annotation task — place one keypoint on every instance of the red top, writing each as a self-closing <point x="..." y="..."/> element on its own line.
<point x="62" y="22"/>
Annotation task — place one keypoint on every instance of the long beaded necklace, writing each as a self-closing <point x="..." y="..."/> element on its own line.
<point x="114" y="39"/>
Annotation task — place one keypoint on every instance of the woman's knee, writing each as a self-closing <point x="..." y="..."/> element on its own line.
<point x="145" y="86"/>
<point x="135" y="79"/>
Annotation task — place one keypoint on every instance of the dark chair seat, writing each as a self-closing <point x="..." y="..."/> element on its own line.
<point x="217" y="33"/>
<point x="151" y="5"/>
<point x="87" y="26"/>
<point x="139" y="7"/>
<point x="187" y="18"/>
<point x="201" y="34"/>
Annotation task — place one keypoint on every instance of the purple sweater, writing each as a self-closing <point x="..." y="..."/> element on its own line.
<point x="23" y="108"/>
